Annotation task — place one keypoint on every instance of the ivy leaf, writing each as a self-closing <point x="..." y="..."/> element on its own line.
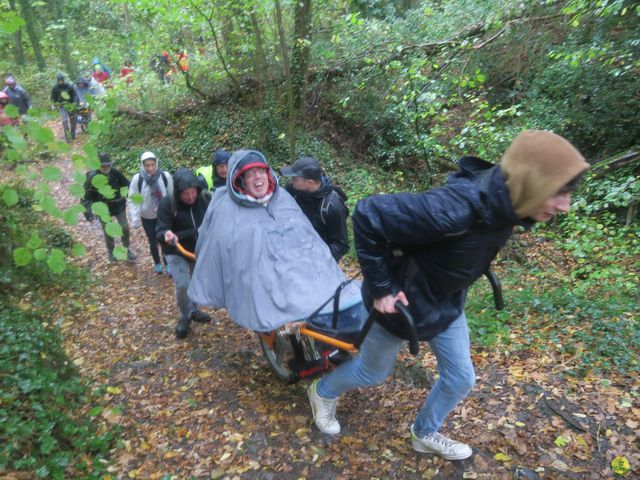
<point x="70" y="215"/>
<point x="120" y="252"/>
<point x="77" y="190"/>
<point x="56" y="261"/>
<point x="22" y="256"/>
<point x="124" y="191"/>
<point x="40" y="253"/>
<point x="11" y="22"/>
<point x="137" y="198"/>
<point x="92" y="156"/>
<point x="10" y="197"/>
<point x="12" y="111"/>
<point x="78" y="250"/>
<point x="35" y="241"/>
<point x="113" y="229"/>
<point x="52" y="174"/>
<point x="40" y="134"/>
<point x="100" y="209"/>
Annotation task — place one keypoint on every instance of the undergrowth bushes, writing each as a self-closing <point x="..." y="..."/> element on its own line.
<point x="42" y="398"/>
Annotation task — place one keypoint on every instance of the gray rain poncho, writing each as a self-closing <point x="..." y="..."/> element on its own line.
<point x="264" y="263"/>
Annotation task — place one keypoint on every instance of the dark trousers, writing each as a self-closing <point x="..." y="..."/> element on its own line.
<point x="122" y="220"/>
<point x="149" y="225"/>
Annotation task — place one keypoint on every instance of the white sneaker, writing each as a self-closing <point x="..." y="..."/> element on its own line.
<point x="324" y="410"/>
<point x="440" y="445"/>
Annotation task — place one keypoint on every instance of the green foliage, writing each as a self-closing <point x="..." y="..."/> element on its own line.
<point x="41" y="398"/>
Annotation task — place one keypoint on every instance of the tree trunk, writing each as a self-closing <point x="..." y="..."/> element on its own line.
<point x="63" y="38"/>
<point x="28" y="16"/>
<point x="18" y="49"/>
<point x="287" y="73"/>
<point x="301" y="54"/>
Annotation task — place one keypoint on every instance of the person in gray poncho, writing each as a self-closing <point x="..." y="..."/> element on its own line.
<point x="259" y="256"/>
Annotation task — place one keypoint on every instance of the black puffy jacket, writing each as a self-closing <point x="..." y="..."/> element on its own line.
<point x="327" y="212"/>
<point x="182" y="219"/>
<point x="433" y="245"/>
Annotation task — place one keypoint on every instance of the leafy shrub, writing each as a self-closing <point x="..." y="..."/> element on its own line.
<point x="40" y="397"/>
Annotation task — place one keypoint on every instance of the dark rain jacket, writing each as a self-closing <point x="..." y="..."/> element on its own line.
<point x="182" y="219"/>
<point x="64" y="95"/>
<point x="18" y="97"/>
<point x="328" y="214"/>
<point x="116" y="180"/>
<point x="433" y="245"/>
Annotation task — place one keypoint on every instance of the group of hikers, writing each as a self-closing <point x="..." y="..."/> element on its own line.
<point x="70" y="98"/>
<point x="268" y="255"/>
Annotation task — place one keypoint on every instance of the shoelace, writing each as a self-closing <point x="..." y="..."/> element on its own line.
<point x="442" y="440"/>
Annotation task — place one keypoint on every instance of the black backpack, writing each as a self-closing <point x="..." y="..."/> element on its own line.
<point x="164" y="179"/>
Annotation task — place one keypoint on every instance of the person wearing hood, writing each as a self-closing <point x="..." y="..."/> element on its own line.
<point x="321" y="201"/>
<point x="215" y="175"/>
<point x="260" y="258"/>
<point x="425" y="250"/>
<point x="17" y="95"/>
<point x="152" y="184"/>
<point x="179" y="217"/>
<point x="65" y="98"/>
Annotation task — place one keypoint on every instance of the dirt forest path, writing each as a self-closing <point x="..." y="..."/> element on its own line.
<point x="208" y="407"/>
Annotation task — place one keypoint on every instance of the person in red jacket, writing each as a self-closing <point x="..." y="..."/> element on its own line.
<point x="127" y="71"/>
<point x="4" y="119"/>
<point x="99" y="74"/>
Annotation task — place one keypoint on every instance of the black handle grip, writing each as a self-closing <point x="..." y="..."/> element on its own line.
<point x="407" y="318"/>
<point x="498" y="299"/>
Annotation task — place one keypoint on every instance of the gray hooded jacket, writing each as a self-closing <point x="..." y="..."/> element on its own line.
<point x="264" y="263"/>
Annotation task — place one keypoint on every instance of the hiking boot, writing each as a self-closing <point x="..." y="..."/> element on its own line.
<point x="324" y="410"/>
<point x="112" y="257"/>
<point x="183" y="328"/>
<point x="131" y="257"/>
<point x="158" y="268"/>
<point x="440" y="445"/>
<point x="200" y="317"/>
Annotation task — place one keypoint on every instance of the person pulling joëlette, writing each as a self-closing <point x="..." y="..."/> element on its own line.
<point x="425" y="250"/>
<point x="178" y="220"/>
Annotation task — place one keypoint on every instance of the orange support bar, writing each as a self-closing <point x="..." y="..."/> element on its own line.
<point x="185" y="252"/>
<point x="331" y="341"/>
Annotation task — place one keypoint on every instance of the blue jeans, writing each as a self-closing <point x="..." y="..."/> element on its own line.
<point x="375" y="362"/>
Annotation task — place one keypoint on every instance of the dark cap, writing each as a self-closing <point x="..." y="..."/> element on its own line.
<point x="220" y="157"/>
<point x="305" y="167"/>
<point x="105" y="159"/>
